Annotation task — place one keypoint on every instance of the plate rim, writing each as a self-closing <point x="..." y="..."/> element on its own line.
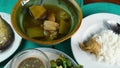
<point x="73" y="46"/>
<point x="50" y="50"/>
<point x="17" y="38"/>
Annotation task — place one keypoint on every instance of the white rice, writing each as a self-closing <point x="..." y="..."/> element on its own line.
<point x="110" y="47"/>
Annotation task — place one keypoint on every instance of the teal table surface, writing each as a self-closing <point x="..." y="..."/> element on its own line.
<point x="7" y="6"/>
<point x="100" y="7"/>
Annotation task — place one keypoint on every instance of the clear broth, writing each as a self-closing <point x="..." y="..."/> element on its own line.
<point x="29" y="22"/>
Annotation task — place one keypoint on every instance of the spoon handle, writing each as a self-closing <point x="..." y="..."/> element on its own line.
<point x="23" y="2"/>
<point x="41" y="2"/>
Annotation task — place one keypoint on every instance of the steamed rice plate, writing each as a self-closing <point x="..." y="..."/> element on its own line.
<point x="110" y="47"/>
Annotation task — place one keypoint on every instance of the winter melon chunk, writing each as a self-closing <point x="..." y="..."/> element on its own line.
<point x="37" y="11"/>
<point x="35" y="32"/>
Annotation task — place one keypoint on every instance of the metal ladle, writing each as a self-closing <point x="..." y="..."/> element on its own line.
<point x="23" y="2"/>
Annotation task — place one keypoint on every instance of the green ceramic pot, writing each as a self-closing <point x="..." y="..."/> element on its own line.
<point x="70" y="6"/>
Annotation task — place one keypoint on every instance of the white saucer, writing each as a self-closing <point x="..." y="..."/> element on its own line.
<point x="90" y="25"/>
<point x="52" y="55"/>
<point x="8" y="52"/>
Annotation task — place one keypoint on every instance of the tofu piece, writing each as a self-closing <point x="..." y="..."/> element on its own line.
<point x="37" y="11"/>
<point x="50" y="25"/>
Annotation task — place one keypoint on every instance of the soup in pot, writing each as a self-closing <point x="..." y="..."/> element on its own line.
<point x="46" y="22"/>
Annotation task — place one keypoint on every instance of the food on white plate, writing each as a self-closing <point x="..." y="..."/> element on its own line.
<point x="6" y="34"/>
<point x="109" y="47"/>
<point x="91" y="45"/>
<point x="63" y="62"/>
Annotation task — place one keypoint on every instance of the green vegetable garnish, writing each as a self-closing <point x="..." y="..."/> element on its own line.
<point x="53" y="64"/>
<point x="63" y="62"/>
<point x="24" y="67"/>
<point x="59" y="62"/>
<point x="79" y="66"/>
<point x="41" y="66"/>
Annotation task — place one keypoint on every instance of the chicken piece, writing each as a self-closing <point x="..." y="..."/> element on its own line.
<point x="51" y="17"/>
<point x="50" y="25"/>
<point x="51" y="34"/>
<point x="91" y="46"/>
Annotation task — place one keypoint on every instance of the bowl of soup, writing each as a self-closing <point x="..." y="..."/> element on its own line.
<point x="32" y="58"/>
<point x="46" y="21"/>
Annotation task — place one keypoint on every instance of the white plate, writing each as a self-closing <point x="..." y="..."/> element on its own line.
<point x="90" y="25"/>
<point x="8" y="52"/>
<point x="52" y="55"/>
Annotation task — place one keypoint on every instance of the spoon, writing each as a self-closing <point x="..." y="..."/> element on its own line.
<point x="23" y="2"/>
<point x="113" y="25"/>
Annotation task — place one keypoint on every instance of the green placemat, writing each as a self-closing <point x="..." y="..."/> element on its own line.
<point x="80" y="2"/>
<point x="7" y="5"/>
<point x="99" y="7"/>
